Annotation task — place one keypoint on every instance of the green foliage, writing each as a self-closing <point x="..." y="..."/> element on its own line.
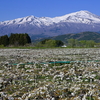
<point x="1" y="46"/>
<point x="90" y="43"/>
<point x="50" y="43"/>
<point x="83" y="43"/>
<point x="19" y="39"/>
<point x="44" y="41"/>
<point x="79" y="36"/>
<point x="15" y="39"/>
<point x="4" y="40"/>
<point x="59" y="43"/>
<point x="90" y="98"/>
<point x="71" y="42"/>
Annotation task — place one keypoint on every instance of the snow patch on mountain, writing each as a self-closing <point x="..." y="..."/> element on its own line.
<point x="76" y="17"/>
<point x="79" y="17"/>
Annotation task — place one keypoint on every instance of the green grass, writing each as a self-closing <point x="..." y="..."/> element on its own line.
<point x="29" y="47"/>
<point x="23" y="47"/>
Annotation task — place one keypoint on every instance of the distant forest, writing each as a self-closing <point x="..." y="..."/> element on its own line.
<point x="15" y="39"/>
<point x="83" y="39"/>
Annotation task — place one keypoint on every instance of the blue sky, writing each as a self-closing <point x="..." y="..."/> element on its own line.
<point x="12" y="9"/>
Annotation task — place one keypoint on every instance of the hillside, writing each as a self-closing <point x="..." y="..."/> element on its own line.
<point x="79" y="36"/>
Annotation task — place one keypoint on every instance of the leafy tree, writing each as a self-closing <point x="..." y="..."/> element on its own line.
<point x="90" y="43"/>
<point x="50" y="43"/>
<point x="83" y="43"/>
<point x="44" y="41"/>
<point x="59" y="43"/>
<point x="71" y="42"/>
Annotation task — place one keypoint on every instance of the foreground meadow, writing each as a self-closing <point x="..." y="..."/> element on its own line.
<point x="36" y="74"/>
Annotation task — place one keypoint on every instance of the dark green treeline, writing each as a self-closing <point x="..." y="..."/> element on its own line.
<point x="15" y="39"/>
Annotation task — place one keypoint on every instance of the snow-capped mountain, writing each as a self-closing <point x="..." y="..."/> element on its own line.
<point x="46" y="26"/>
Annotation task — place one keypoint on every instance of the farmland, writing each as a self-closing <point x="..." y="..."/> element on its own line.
<point x="34" y="74"/>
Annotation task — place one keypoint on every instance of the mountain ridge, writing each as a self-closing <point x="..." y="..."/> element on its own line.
<point x="45" y="26"/>
<point x="79" y="14"/>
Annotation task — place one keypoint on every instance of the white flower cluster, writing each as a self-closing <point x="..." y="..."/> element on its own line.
<point x="38" y="74"/>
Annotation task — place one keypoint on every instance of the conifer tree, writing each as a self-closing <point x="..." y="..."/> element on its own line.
<point x="4" y="40"/>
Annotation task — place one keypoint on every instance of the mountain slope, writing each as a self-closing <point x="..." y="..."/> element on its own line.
<point x="38" y="27"/>
<point x="79" y="36"/>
